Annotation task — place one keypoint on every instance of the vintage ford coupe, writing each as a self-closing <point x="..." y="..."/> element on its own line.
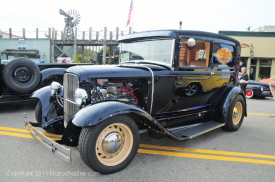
<point x="172" y="83"/>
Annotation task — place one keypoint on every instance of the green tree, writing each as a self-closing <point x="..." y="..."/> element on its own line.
<point x="87" y="53"/>
<point x="78" y="59"/>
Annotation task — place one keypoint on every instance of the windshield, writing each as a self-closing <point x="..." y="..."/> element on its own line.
<point x="150" y="50"/>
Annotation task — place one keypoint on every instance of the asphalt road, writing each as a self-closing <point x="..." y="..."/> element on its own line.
<point x="245" y="155"/>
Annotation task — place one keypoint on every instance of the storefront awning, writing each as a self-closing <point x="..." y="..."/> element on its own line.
<point x="20" y="51"/>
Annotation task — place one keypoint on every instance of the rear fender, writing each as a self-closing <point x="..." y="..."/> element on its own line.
<point x="51" y="74"/>
<point x="221" y="107"/>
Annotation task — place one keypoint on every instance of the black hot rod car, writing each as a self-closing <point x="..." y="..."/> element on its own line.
<point x="102" y="108"/>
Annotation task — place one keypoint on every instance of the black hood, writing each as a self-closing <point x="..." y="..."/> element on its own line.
<point x="117" y="71"/>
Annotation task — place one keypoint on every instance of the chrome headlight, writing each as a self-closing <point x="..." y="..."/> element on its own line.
<point x="80" y="96"/>
<point x="262" y="88"/>
<point x="56" y="88"/>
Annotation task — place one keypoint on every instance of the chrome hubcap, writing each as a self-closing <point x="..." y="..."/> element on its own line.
<point x="235" y="111"/>
<point x="112" y="143"/>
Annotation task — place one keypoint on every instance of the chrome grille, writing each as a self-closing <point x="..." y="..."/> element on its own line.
<point x="70" y="84"/>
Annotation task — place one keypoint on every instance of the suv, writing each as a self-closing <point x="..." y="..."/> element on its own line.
<point x="172" y="83"/>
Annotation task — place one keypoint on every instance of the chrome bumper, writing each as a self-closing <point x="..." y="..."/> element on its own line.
<point x="266" y="93"/>
<point x="55" y="148"/>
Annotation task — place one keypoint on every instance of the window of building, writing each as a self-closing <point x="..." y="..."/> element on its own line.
<point x="253" y="62"/>
<point x="21" y="45"/>
<point x="265" y="62"/>
<point x="264" y="72"/>
<point x="265" y="68"/>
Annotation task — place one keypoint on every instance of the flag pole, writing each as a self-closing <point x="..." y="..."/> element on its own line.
<point x="132" y="17"/>
<point x="129" y="20"/>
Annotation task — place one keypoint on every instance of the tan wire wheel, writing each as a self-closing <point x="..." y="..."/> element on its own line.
<point x="237" y="113"/>
<point x="114" y="144"/>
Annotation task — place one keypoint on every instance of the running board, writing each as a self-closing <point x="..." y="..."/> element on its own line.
<point x="192" y="131"/>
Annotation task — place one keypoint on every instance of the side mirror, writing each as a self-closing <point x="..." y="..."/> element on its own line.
<point x="190" y="42"/>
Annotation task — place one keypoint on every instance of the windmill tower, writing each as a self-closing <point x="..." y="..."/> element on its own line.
<point x="72" y="18"/>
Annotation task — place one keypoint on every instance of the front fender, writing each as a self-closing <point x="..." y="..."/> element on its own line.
<point x="46" y="99"/>
<point x="96" y="113"/>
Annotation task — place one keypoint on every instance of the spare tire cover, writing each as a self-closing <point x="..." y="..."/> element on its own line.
<point x="22" y="75"/>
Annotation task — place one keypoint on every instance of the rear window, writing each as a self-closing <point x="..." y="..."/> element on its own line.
<point x="223" y="55"/>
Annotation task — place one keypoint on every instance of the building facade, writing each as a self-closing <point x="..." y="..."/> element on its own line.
<point x="259" y="57"/>
<point x="37" y="50"/>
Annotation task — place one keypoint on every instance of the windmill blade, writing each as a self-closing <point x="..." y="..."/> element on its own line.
<point x="61" y="12"/>
<point x="71" y="12"/>
<point x="74" y="17"/>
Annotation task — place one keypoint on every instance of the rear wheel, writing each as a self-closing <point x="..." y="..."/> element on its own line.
<point x="235" y="114"/>
<point x="110" y="146"/>
<point x="249" y="93"/>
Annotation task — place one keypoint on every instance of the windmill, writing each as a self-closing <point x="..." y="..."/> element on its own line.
<point x="72" y="18"/>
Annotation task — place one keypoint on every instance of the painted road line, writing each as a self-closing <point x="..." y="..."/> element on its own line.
<point x="50" y="134"/>
<point x="14" y="132"/>
<point x="207" y="151"/>
<point x="26" y="131"/>
<point x="179" y="151"/>
<point x="200" y="156"/>
<point x="260" y="114"/>
<point x="21" y="135"/>
<point x="14" y="129"/>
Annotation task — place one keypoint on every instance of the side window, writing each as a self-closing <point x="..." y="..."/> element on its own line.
<point x="223" y="55"/>
<point x="198" y="55"/>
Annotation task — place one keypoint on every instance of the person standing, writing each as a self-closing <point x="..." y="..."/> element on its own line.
<point x="244" y="79"/>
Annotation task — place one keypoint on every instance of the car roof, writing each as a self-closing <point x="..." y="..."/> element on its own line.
<point x="177" y="33"/>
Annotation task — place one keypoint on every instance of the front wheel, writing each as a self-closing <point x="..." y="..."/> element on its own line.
<point x="235" y="114"/>
<point x="110" y="146"/>
<point x="38" y="113"/>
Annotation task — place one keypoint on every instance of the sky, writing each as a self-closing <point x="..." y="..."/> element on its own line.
<point x="204" y="15"/>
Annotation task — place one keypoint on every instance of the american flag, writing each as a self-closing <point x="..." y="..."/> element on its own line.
<point x="129" y="15"/>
